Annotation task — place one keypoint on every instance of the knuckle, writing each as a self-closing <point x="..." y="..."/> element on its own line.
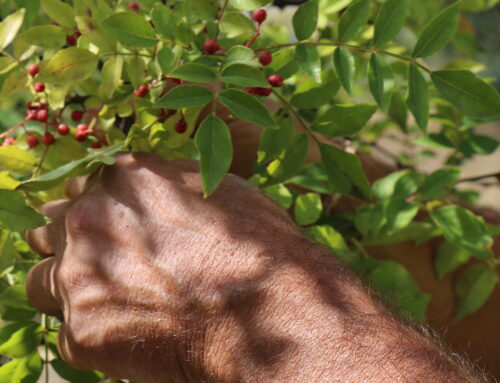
<point x="85" y="216"/>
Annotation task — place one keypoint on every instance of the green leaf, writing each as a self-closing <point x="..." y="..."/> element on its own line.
<point x="310" y="94"/>
<point x="353" y="19"/>
<point x="74" y="376"/>
<point x="17" y="160"/>
<point x="463" y="228"/>
<point x="248" y="5"/>
<point x="328" y="237"/>
<point x="244" y="75"/>
<point x="470" y="94"/>
<point x="418" y="97"/>
<point x="164" y="20"/>
<point x="438" y="31"/>
<point x="438" y="183"/>
<point x="408" y="184"/>
<point x="288" y="162"/>
<point x="344" y="119"/>
<point x="399" y="215"/>
<point x="274" y="141"/>
<point x="345" y="67"/>
<point x="185" y="96"/>
<point x="345" y="173"/>
<point x="381" y="81"/>
<point x="69" y="66"/>
<point x="305" y="20"/>
<point x="394" y="281"/>
<point x="23" y="370"/>
<point x="390" y="20"/>
<point x="15" y="214"/>
<point x="70" y="169"/>
<point x="308" y="58"/>
<point x="193" y="73"/>
<point x="313" y="177"/>
<point x="45" y="36"/>
<point x="22" y="342"/>
<point x="240" y="54"/>
<point x="112" y="75"/>
<point x="168" y="58"/>
<point x="60" y="12"/>
<point x="478" y="144"/>
<point x="15" y="296"/>
<point x="281" y="194"/>
<point x="473" y="288"/>
<point x="398" y="111"/>
<point x="131" y="29"/>
<point x="449" y="257"/>
<point x="247" y="107"/>
<point x="7" y="250"/>
<point x="10" y="26"/>
<point x="213" y="140"/>
<point x="308" y="208"/>
<point x="236" y="24"/>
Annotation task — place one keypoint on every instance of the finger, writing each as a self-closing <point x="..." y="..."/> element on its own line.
<point x="75" y="186"/>
<point x="43" y="240"/>
<point x="41" y="288"/>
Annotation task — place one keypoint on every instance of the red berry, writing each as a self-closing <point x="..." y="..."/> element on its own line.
<point x="42" y="115"/>
<point x="265" y="58"/>
<point x="211" y="46"/>
<point x="32" y="115"/>
<point x="8" y="141"/>
<point x="260" y="15"/>
<point x="77" y="115"/>
<point x="263" y="91"/>
<point x="39" y="87"/>
<point x="134" y="7"/>
<point x="48" y="139"/>
<point x="252" y="91"/>
<point x="96" y="145"/>
<point x="142" y="91"/>
<point x="181" y="126"/>
<point x="71" y="40"/>
<point x="82" y="127"/>
<point x="78" y="34"/>
<point x="275" y="80"/>
<point x="81" y="136"/>
<point x="32" y="140"/>
<point x="63" y="129"/>
<point x="43" y="106"/>
<point x="33" y="70"/>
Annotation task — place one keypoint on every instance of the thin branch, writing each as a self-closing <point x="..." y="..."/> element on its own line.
<point x="479" y="178"/>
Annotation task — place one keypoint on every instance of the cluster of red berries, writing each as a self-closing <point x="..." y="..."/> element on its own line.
<point x="142" y="91"/>
<point x="134" y="7"/>
<point x="39" y="111"/>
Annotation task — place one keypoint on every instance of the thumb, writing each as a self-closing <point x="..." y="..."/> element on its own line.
<point x="41" y="288"/>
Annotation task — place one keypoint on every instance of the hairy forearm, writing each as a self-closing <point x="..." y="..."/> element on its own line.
<point x="311" y="320"/>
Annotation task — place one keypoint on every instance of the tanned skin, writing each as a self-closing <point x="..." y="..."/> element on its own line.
<point x="157" y="284"/>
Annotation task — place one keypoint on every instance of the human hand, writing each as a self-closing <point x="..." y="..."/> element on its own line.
<point x="145" y="271"/>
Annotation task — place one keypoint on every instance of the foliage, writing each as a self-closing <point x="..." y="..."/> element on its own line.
<point x="151" y="79"/>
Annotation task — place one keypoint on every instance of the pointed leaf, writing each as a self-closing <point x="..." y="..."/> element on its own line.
<point x="289" y="161"/>
<point x="45" y="36"/>
<point x="185" y="96"/>
<point x="353" y="19"/>
<point x="17" y="160"/>
<point x="130" y="28"/>
<point x="472" y="95"/>
<point x="418" y="97"/>
<point x="305" y="19"/>
<point x="247" y="107"/>
<point x="69" y="66"/>
<point x="309" y="60"/>
<point x="10" y="26"/>
<point x="438" y="32"/>
<point x="248" y="5"/>
<point x="244" y="75"/>
<point x="213" y="140"/>
<point x="473" y="289"/>
<point x="390" y="20"/>
<point x="15" y="214"/>
<point x="60" y="12"/>
<point x="194" y="73"/>
<point x="344" y="119"/>
<point x="345" y="67"/>
<point x="463" y="228"/>
<point x="345" y="173"/>
<point x="438" y="184"/>
<point x="449" y="257"/>
<point x="381" y="81"/>
<point x="308" y="208"/>
<point x="274" y="141"/>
